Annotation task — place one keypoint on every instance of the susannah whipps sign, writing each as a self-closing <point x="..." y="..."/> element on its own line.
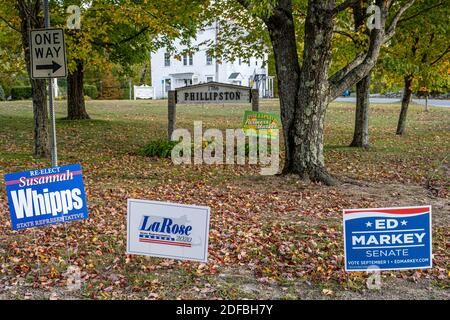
<point x="213" y="92"/>
<point x="46" y="196"/>
<point x="167" y="230"/>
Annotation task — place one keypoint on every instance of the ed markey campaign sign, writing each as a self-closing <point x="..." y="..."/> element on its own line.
<point x="48" y="53"/>
<point x="387" y="238"/>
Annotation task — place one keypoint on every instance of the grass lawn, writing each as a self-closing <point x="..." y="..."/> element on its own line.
<point x="270" y="236"/>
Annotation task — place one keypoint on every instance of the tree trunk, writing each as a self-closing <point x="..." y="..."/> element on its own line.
<point x="361" y="133"/>
<point x="29" y="13"/>
<point x="303" y="110"/>
<point x="76" y="109"/>
<point x="313" y="94"/>
<point x="303" y="93"/>
<point x="405" y="103"/>
<point x="282" y="34"/>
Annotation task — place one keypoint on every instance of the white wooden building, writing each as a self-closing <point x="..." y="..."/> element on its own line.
<point x="169" y="73"/>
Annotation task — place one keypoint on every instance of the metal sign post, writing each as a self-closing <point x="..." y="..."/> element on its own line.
<point x="54" y="150"/>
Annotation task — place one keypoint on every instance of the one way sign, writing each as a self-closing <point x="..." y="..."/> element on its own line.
<point x="48" y="53"/>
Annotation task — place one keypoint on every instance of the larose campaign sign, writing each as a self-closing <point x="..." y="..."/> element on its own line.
<point x="167" y="230"/>
<point x="387" y="238"/>
<point x="46" y="196"/>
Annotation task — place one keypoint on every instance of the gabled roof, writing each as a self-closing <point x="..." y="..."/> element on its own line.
<point x="234" y="75"/>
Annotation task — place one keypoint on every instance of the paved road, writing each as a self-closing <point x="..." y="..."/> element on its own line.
<point x="431" y="102"/>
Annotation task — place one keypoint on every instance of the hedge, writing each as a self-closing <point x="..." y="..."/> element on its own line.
<point x="19" y="93"/>
<point x="2" y="94"/>
<point x="90" y="91"/>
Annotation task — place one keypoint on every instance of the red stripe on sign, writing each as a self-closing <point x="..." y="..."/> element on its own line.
<point x="11" y="182"/>
<point x="392" y="211"/>
<point x="170" y="243"/>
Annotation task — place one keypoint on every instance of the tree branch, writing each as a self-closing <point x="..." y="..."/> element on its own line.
<point x="9" y="24"/>
<point x="420" y="12"/>
<point x="114" y="44"/>
<point x="346" y="4"/>
<point x="441" y="56"/>
<point x="347" y="34"/>
<point x="335" y="78"/>
<point x="362" y="64"/>
<point x="391" y="30"/>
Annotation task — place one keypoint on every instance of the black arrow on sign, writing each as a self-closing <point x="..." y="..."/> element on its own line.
<point x="54" y="66"/>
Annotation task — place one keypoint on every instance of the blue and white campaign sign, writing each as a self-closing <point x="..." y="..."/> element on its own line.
<point x="46" y="196"/>
<point x="387" y="238"/>
<point x="167" y="230"/>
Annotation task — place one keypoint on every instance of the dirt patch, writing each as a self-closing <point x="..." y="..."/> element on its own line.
<point x="390" y="289"/>
<point x="375" y="194"/>
<point x="399" y="289"/>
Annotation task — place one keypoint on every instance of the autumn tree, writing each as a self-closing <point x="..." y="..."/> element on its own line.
<point x="122" y="32"/>
<point x="12" y="64"/>
<point x="23" y="16"/>
<point x="351" y="38"/>
<point x="419" y="53"/>
<point x="306" y="89"/>
<point x="361" y="129"/>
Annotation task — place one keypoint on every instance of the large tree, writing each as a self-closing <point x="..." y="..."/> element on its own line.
<point x="29" y="16"/>
<point x="361" y="130"/>
<point x="306" y="90"/>
<point x="419" y="53"/>
<point x="120" y="31"/>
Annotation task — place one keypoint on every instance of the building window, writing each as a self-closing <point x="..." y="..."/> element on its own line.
<point x="240" y="61"/>
<point x="209" y="59"/>
<point x="209" y="79"/>
<point x="188" y="59"/>
<point x="167" y="85"/>
<point x="167" y="59"/>
<point x="256" y="62"/>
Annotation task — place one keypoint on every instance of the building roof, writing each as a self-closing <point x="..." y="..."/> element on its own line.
<point x="234" y="75"/>
<point x="182" y="75"/>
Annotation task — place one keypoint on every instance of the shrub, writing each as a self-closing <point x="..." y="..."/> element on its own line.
<point x="247" y="148"/>
<point x="90" y="91"/>
<point x="2" y="93"/>
<point x="161" y="148"/>
<point x="22" y="92"/>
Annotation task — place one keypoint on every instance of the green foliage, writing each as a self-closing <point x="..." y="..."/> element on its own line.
<point x="247" y="148"/>
<point x="90" y="91"/>
<point x="161" y="148"/>
<point x="22" y="92"/>
<point x="2" y="94"/>
<point x="12" y="62"/>
<point x="419" y="49"/>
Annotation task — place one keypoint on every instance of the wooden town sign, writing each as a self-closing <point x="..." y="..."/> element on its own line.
<point x="213" y="92"/>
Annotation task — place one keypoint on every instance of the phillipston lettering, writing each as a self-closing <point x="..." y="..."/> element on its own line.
<point x="212" y="96"/>
<point x="213" y="92"/>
